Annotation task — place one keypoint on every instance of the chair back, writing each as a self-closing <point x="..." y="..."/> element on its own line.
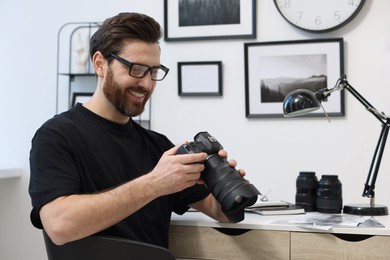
<point x="105" y="248"/>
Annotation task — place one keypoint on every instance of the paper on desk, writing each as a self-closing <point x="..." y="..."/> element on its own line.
<point x="321" y="221"/>
<point x="372" y="222"/>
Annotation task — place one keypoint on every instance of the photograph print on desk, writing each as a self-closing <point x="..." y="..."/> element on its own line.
<point x="323" y="221"/>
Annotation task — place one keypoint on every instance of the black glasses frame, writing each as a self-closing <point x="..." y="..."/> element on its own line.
<point x="149" y="69"/>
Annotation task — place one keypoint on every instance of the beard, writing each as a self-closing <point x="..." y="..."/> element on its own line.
<point x="118" y="97"/>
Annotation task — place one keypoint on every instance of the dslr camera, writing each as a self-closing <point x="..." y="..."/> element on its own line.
<point x="232" y="191"/>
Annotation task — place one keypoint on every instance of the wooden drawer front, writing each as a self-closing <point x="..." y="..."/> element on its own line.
<point x="327" y="246"/>
<point x="209" y="243"/>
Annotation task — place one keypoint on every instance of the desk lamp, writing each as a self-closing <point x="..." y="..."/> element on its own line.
<point x="302" y="101"/>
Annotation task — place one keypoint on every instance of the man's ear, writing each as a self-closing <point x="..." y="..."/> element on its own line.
<point x="99" y="63"/>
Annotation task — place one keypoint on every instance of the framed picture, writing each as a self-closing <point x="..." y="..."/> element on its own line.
<point x="274" y="69"/>
<point x="80" y="97"/>
<point x="209" y="19"/>
<point x="202" y="78"/>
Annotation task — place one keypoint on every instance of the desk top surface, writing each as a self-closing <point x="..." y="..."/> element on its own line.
<point x="255" y="221"/>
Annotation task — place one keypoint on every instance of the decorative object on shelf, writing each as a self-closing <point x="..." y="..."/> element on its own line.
<point x="302" y="101"/>
<point x="81" y="51"/>
<point x="274" y="69"/>
<point x="204" y="20"/>
<point x="319" y="15"/>
<point x="203" y="78"/>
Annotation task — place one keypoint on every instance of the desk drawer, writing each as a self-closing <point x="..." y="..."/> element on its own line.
<point x="308" y="246"/>
<point x="210" y="243"/>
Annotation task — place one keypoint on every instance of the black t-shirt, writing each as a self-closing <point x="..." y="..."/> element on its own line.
<point x="79" y="152"/>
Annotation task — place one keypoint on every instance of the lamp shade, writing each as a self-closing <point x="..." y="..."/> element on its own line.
<point x="300" y="102"/>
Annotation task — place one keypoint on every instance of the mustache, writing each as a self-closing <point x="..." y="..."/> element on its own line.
<point x="137" y="89"/>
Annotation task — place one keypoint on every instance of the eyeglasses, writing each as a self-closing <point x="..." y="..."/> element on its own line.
<point x="137" y="70"/>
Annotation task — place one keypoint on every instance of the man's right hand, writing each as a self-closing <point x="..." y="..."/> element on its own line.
<point x="176" y="172"/>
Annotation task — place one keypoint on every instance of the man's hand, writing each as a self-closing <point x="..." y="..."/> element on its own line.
<point x="232" y="162"/>
<point x="175" y="172"/>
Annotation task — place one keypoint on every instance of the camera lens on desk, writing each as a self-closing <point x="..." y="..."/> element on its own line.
<point x="306" y="195"/>
<point x="329" y="194"/>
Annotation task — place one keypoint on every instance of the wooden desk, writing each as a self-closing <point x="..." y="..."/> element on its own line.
<point x="196" y="236"/>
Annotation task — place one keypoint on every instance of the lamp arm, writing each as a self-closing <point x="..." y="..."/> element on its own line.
<point x="345" y="85"/>
<point x="341" y="84"/>
<point x="369" y="186"/>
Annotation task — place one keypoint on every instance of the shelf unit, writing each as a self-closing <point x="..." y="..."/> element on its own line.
<point x="76" y="79"/>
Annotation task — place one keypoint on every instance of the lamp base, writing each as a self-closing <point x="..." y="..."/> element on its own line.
<point x="366" y="210"/>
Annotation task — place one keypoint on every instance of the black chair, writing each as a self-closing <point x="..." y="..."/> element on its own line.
<point x="105" y="248"/>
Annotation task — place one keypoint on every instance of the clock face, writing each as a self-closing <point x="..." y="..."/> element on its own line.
<point x="318" y="15"/>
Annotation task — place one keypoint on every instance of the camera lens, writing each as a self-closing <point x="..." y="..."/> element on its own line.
<point x="231" y="190"/>
<point x="329" y="194"/>
<point x="306" y="185"/>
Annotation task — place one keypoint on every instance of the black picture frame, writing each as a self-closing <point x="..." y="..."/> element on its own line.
<point x="224" y="19"/>
<point x="274" y="69"/>
<point x="80" y="97"/>
<point x="200" y="78"/>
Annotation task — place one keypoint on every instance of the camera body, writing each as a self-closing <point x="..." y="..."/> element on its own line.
<point x="231" y="190"/>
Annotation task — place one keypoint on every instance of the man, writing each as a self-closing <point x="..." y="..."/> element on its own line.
<point x="94" y="170"/>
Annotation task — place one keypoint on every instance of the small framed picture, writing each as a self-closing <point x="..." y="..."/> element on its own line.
<point x="209" y="19"/>
<point x="274" y="69"/>
<point x="80" y="97"/>
<point x="202" y="78"/>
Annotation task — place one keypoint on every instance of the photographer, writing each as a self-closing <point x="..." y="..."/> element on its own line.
<point x="94" y="170"/>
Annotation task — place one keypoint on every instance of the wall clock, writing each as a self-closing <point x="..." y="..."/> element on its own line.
<point x="319" y="15"/>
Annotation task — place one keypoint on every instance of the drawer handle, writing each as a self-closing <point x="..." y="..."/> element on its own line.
<point x="352" y="238"/>
<point x="232" y="231"/>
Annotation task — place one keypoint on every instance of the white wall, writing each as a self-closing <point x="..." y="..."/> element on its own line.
<point x="266" y="148"/>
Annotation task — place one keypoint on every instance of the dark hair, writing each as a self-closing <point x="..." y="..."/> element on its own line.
<point x="114" y="31"/>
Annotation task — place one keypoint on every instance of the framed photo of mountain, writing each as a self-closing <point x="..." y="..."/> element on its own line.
<point x="274" y="69"/>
